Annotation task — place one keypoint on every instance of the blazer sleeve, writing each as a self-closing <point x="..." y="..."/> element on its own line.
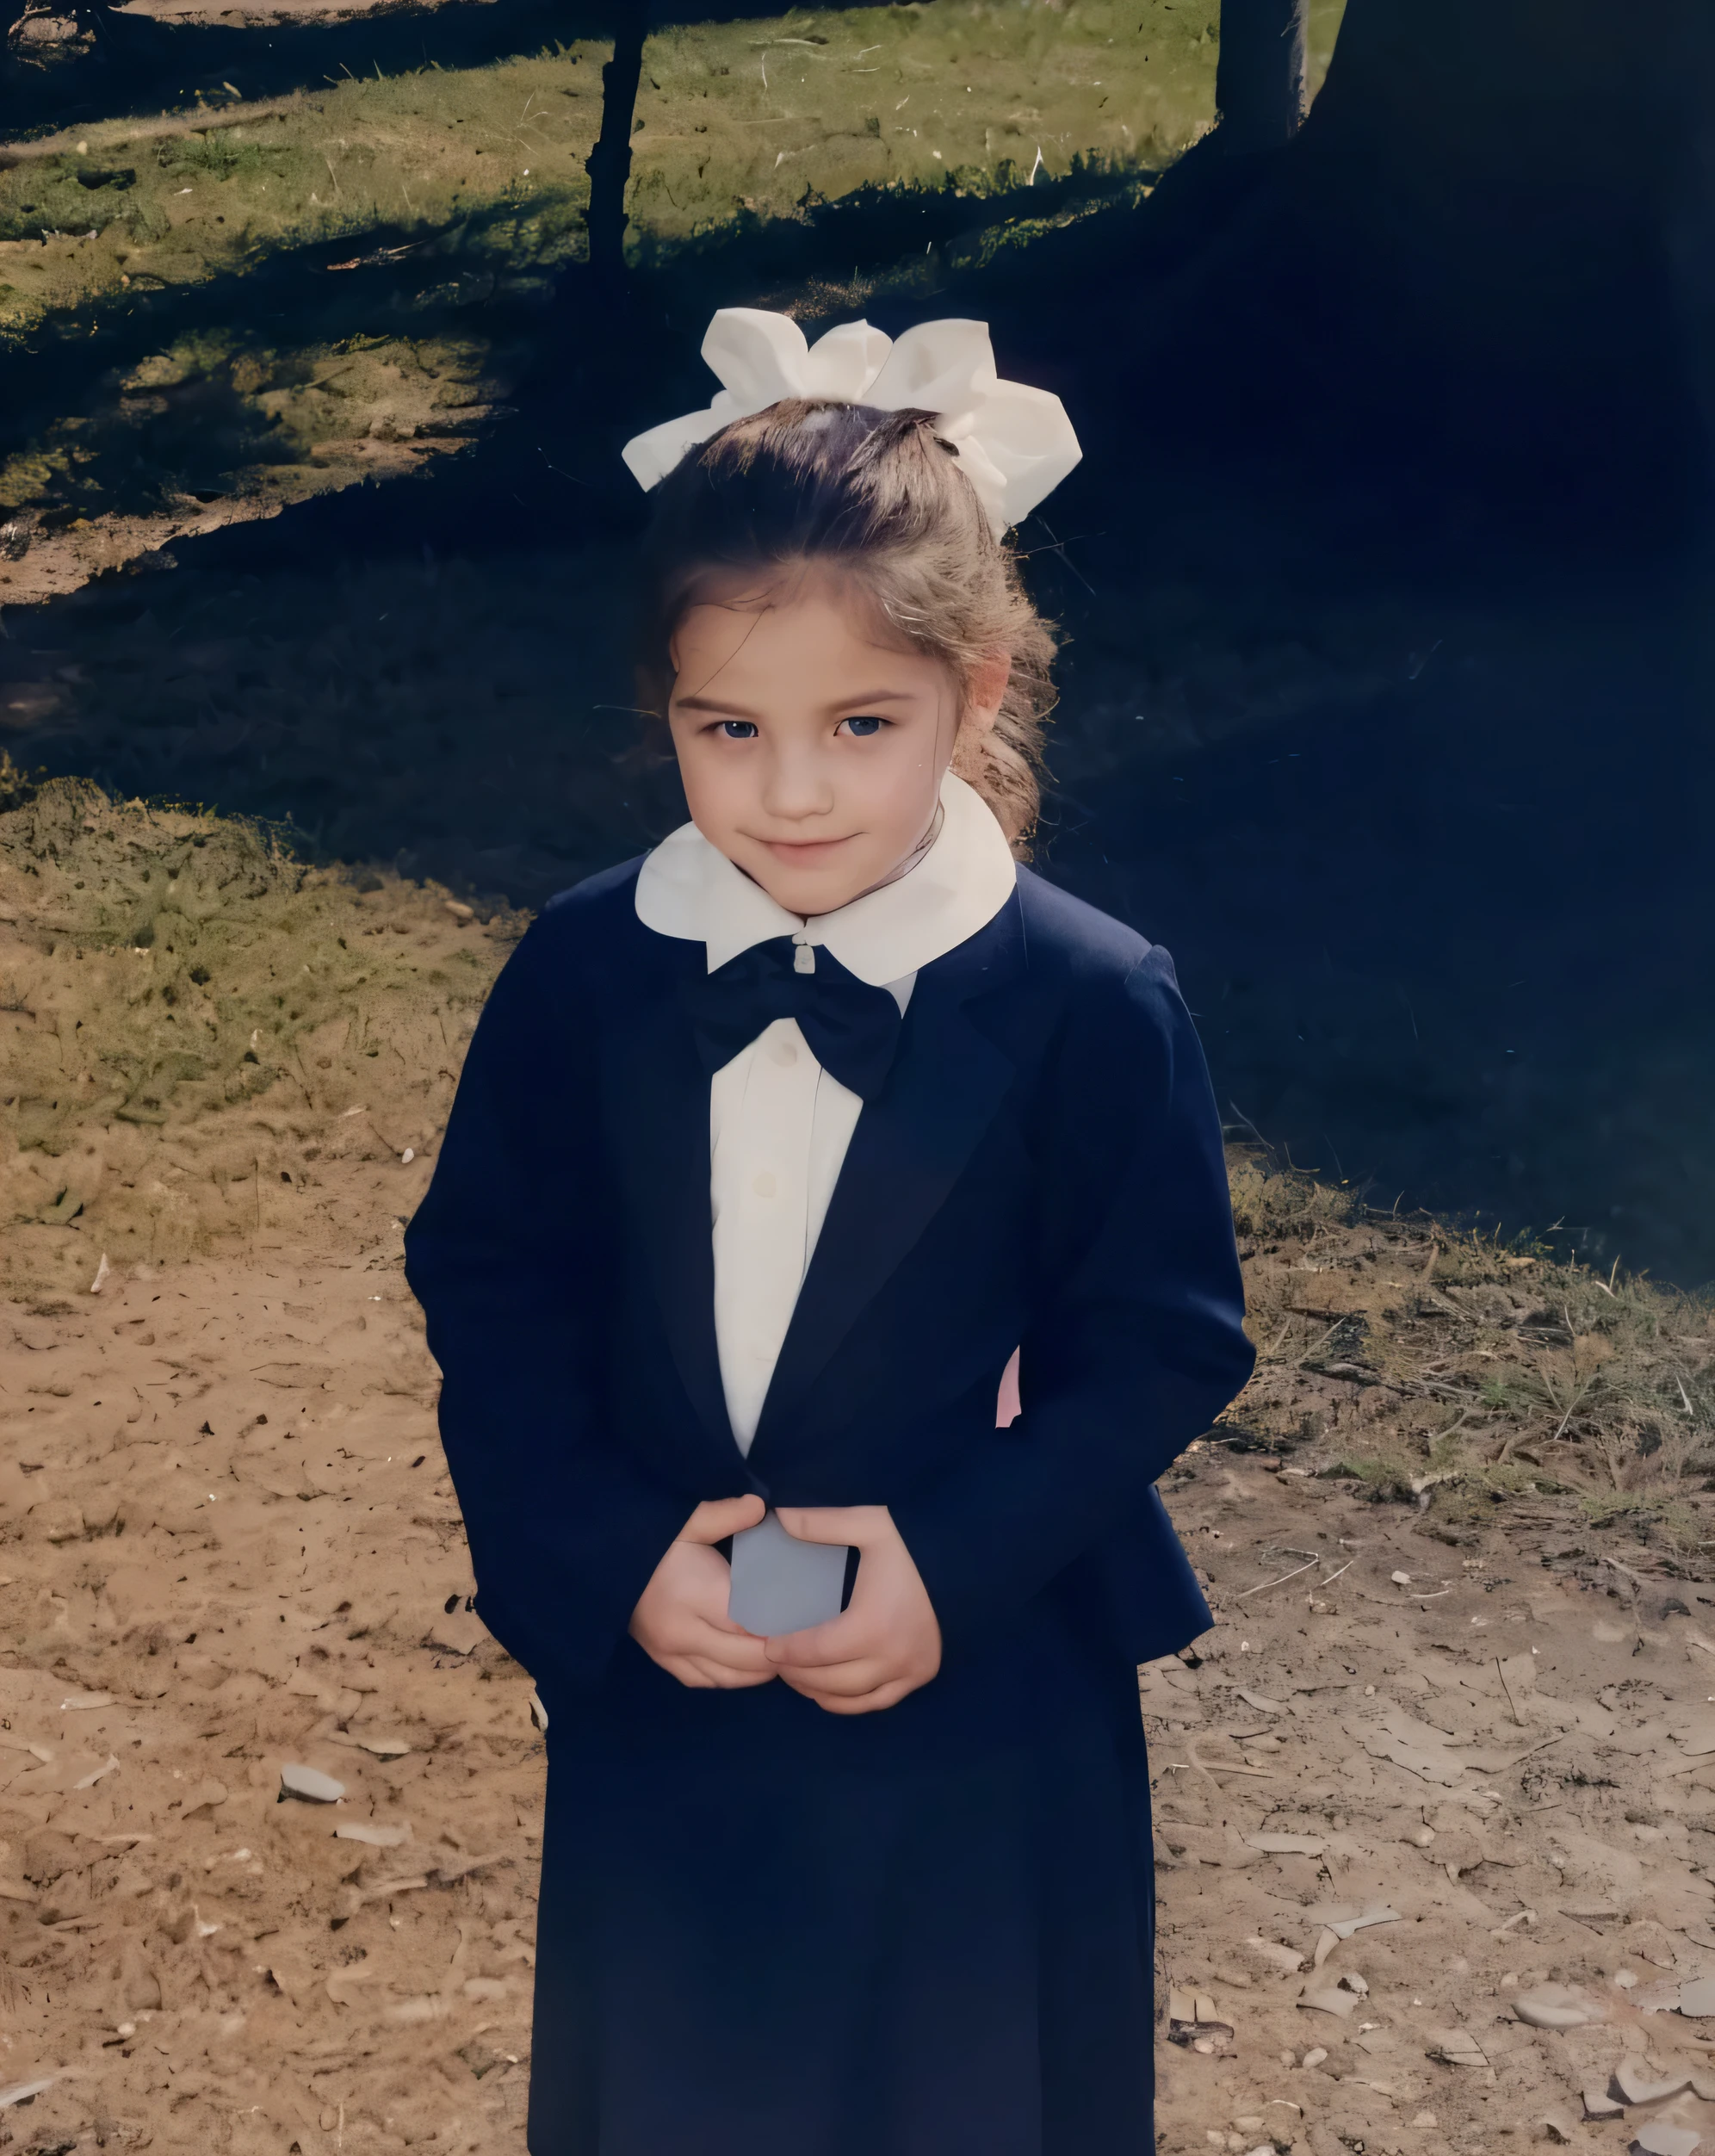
<point x="1136" y="1341"/>
<point x="509" y="1256"/>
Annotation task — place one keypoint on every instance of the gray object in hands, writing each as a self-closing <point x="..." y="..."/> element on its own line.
<point x="781" y="1584"/>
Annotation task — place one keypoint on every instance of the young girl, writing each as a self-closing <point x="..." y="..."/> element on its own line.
<point x="770" y="1151"/>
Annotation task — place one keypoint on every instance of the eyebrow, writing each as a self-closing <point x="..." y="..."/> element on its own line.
<point x="845" y="703"/>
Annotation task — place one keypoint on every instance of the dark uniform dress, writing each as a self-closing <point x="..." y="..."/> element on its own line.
<point x="767" y="1931"/>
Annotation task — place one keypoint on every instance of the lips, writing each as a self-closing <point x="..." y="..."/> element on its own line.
<point x="803" y="854"/>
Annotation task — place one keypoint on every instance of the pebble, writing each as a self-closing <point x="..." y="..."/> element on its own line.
<point x="1635" y="2087"/>
<point x="310" y="1783"/>
<point x="1555" y="2006"/>
<point x="25" y="2091"/>
<point x="1659" y="2138"/>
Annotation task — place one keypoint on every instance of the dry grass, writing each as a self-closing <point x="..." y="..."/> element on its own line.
<point x="195" y="1023"/>
<point x="1442" y="1367"/>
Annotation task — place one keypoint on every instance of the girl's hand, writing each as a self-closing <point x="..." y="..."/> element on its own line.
<point x="887" y="1641"/>
<point x="681" y="1620"/>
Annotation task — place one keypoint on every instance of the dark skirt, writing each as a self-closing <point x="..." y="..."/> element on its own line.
<point x="765" y="1931"/>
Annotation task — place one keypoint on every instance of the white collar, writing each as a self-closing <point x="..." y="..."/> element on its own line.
<point x="688" y="888"/>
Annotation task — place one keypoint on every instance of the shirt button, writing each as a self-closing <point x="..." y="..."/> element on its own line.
<point x="784" y="1051"/>
<point x="764" y="1185"/>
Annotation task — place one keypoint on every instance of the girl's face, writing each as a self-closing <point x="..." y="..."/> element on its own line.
<point x="812" y="752"/>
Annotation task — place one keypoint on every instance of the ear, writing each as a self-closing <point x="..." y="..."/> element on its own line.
<point x="987" y="689"/>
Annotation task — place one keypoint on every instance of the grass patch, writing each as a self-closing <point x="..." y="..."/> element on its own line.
<point x="478" y="169"/>
<point x="185" y="1005"/>
<point x="1446" y="1367"/>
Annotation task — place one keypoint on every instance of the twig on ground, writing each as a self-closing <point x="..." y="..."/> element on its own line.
<point x="1264" y="1585"/>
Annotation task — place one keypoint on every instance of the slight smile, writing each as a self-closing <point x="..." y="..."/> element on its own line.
<point x="802" y="853"/>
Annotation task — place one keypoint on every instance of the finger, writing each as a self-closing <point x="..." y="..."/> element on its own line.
<point x="705" y="1673"/>
<point x="888" y="1693"/>
<point x="722" y="1680"/>
<point x="845" y="1680"/>
<point x="857" y="1525"/>
<point x="686" y="1672"/>
<point x="842" y="1638"/>
<point x="715" y="1518"/>
<point x="733" y="1649"/>
<point x="871" y="1702"/>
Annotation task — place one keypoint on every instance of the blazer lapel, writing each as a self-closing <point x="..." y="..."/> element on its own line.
<point x="910" y="1145"/>
<point x="657" y="1110"/>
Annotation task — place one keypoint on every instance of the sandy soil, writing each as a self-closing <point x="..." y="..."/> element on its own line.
<point x="1496" y="1765"/>
<point x="230" y="1548"/>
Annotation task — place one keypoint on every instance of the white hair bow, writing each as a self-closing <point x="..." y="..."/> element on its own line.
<point x="1015" y="443"/>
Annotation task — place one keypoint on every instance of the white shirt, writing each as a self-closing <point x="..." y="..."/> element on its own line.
<point x="778" y="1123"/>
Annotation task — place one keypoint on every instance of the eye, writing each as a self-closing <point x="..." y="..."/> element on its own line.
<point x="863" y="728"/>
<point x="737" y="729"/>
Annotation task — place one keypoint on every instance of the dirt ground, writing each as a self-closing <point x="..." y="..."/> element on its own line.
<point x="231" y="1548"/>
<point x="1432" y="1796"/>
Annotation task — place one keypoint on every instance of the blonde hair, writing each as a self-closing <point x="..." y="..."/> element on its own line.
<point x="881" y="497"/>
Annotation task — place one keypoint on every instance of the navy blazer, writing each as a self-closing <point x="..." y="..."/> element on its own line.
<point x="1043" y="1170"/>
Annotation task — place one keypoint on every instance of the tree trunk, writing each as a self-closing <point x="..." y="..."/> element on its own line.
<point x="608" y="164"/>
<point x="1503" y="183"/>
<point x="1260" y="82"/>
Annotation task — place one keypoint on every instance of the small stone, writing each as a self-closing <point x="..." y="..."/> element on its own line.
<point x="1459" y="2048"/>
<point x="311" y="1784"/>
<point x="1287" y="1960"/>
<point x="1659" y="2138"/>
<point x="1632" y="2085"/>
<point x="378" y="1837"/>
<point x="1556" y="2006"/>
<point x="1331" y="2001"/>
<point x="1426" y="2119"/>
<point x="1599" y="2105"/>
<point x="460" y="1630"/>
<point x="1314" y="2057"/>
<point x="25" y="2091"/>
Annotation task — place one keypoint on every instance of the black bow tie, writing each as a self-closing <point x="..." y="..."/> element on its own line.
<point x="851" y="1028"/>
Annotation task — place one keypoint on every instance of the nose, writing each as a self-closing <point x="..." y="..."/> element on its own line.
<point x="798" y="786"/>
